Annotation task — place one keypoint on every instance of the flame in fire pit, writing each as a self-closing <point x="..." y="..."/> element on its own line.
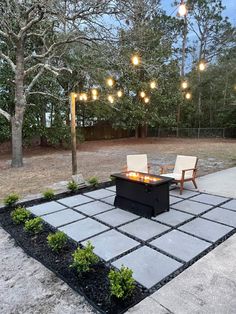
<point x="141" y="177"/>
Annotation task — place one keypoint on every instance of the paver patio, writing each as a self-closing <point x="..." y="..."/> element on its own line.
<point x="153" y="248"/>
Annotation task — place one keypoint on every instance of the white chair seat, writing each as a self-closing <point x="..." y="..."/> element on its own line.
<point x="176" y="176"/>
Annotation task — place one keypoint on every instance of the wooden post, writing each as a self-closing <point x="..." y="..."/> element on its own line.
<point x="73" y="133"/>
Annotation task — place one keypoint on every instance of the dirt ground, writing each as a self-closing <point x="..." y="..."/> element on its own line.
<point x="44" y="167"/>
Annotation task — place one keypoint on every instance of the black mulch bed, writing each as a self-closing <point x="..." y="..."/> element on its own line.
<point x="94" y="285"/>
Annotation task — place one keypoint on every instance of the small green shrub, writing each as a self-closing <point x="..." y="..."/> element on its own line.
<point x="121" y="282"/>
<point x="48" y="194"/>
<point x="93" y="181"/>
<point x="56" y="241"/>
<point x="72" y="186"/>
<point x="34" y="225"/>
<point x="11" y="199"/>
<point x="20" y="215"/>
<point x="84" y="259"/>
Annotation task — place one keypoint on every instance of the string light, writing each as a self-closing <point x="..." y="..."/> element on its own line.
<point x="146" y="100"/>
<point x="184" y="84"/>
<point x="182" y="11"/>
<point x="94" y="92"/>
<point x="110" y="99"/>
<point x="201" y="66"/>
<point x="142" y="94"/>
<point x="94" y="97"/>
<point x="153" y="84"/>
<point x="119" y="93"/>
<point x="135" y="59"/>
<point x="188" y="96"/>
<point x="110" y="82"/>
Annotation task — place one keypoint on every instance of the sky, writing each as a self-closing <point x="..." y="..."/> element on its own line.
<point x="230" y="10"/>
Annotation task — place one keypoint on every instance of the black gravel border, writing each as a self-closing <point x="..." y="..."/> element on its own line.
<point x="140" y="291"/>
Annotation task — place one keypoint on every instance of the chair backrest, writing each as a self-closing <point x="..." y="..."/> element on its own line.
<point x="185" y="162"/>
<point x="137" y="163"/>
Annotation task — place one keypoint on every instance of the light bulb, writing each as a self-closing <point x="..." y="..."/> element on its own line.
<point x="110" y="82"/>
<point x="142" y="94"/>
<point x="188" y="96"/>
<point x="182" y="9"/>
<point x="110" y="99"/>
<point x="135" y="60"/>
<point x="119" y="93"/>
<point x="184" y="84"/>
<point x="146" y="100"/>
<point x="94" y="92"/>
<point x="202" y="66"/>
<point x="153" y="84"/>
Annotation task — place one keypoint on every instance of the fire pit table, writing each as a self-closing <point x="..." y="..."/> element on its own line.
<point x="141" y="193"/>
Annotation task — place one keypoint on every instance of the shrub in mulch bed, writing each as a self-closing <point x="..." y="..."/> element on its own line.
<point x="94" y="285"/>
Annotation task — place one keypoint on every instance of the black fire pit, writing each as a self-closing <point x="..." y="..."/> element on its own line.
<point x="141" y="193"/>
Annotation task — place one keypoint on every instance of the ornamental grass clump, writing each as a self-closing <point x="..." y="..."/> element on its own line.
<point x="34" y="225"/>
<point x="84" y="259"/>
<point x="72" y="186"/>
<point x="20" y="215"/>
<point x="57" y="241"/>
<point x="11" y="199"/>
<point x="93" y="181"/>
<point x="48" y="194"/>
<point x="121" y="282"/>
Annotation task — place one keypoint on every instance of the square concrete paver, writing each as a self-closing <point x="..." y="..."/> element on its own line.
<point x="149" y="266"/>
<point x="191" y="207"/>
<point x="98" y="194"/>
<point x="94" y="208"/>
<point x="116" y="217"/>
<point x="72" y="201"/>
<point x="173" y="217"/>
<point x="111" y="244"/>
<point x="225" y="216"/>
<point x="62" y="217"/>
<point x="209" y="199"/>
<point x="180" y="245"/>
<point x="185" y="194"/>
<point x="144" y="229"/>
<point x="230" y="205"/>
<point x="174" y="200"/>
<point x="205" y="229"/>
<point x="112" y="188"/>
<point x="83" y="229"/>
<point x="109" y="200"/>
<point x="45" y="208"/>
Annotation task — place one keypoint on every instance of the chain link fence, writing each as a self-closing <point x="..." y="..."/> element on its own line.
<point x="192" y="132"/>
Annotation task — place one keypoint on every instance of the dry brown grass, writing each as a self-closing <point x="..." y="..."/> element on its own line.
<point x="43" y="167"/>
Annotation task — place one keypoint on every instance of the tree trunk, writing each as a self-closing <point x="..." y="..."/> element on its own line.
<point x="16" y="126"/>
<point x="20" y="105"/>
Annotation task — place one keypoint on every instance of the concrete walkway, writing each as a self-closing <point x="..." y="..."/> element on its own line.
<point x="222" y="183"/>
<point x="208" y="286"/>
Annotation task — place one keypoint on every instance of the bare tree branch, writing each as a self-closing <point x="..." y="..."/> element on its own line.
<point x="5" y="114"/>
<point x="9" y="61"/>
<point x="47" y="94"/>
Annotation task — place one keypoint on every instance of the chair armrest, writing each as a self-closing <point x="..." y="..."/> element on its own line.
<point x="165" y="168"/>
<point x="190" y="169"/>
